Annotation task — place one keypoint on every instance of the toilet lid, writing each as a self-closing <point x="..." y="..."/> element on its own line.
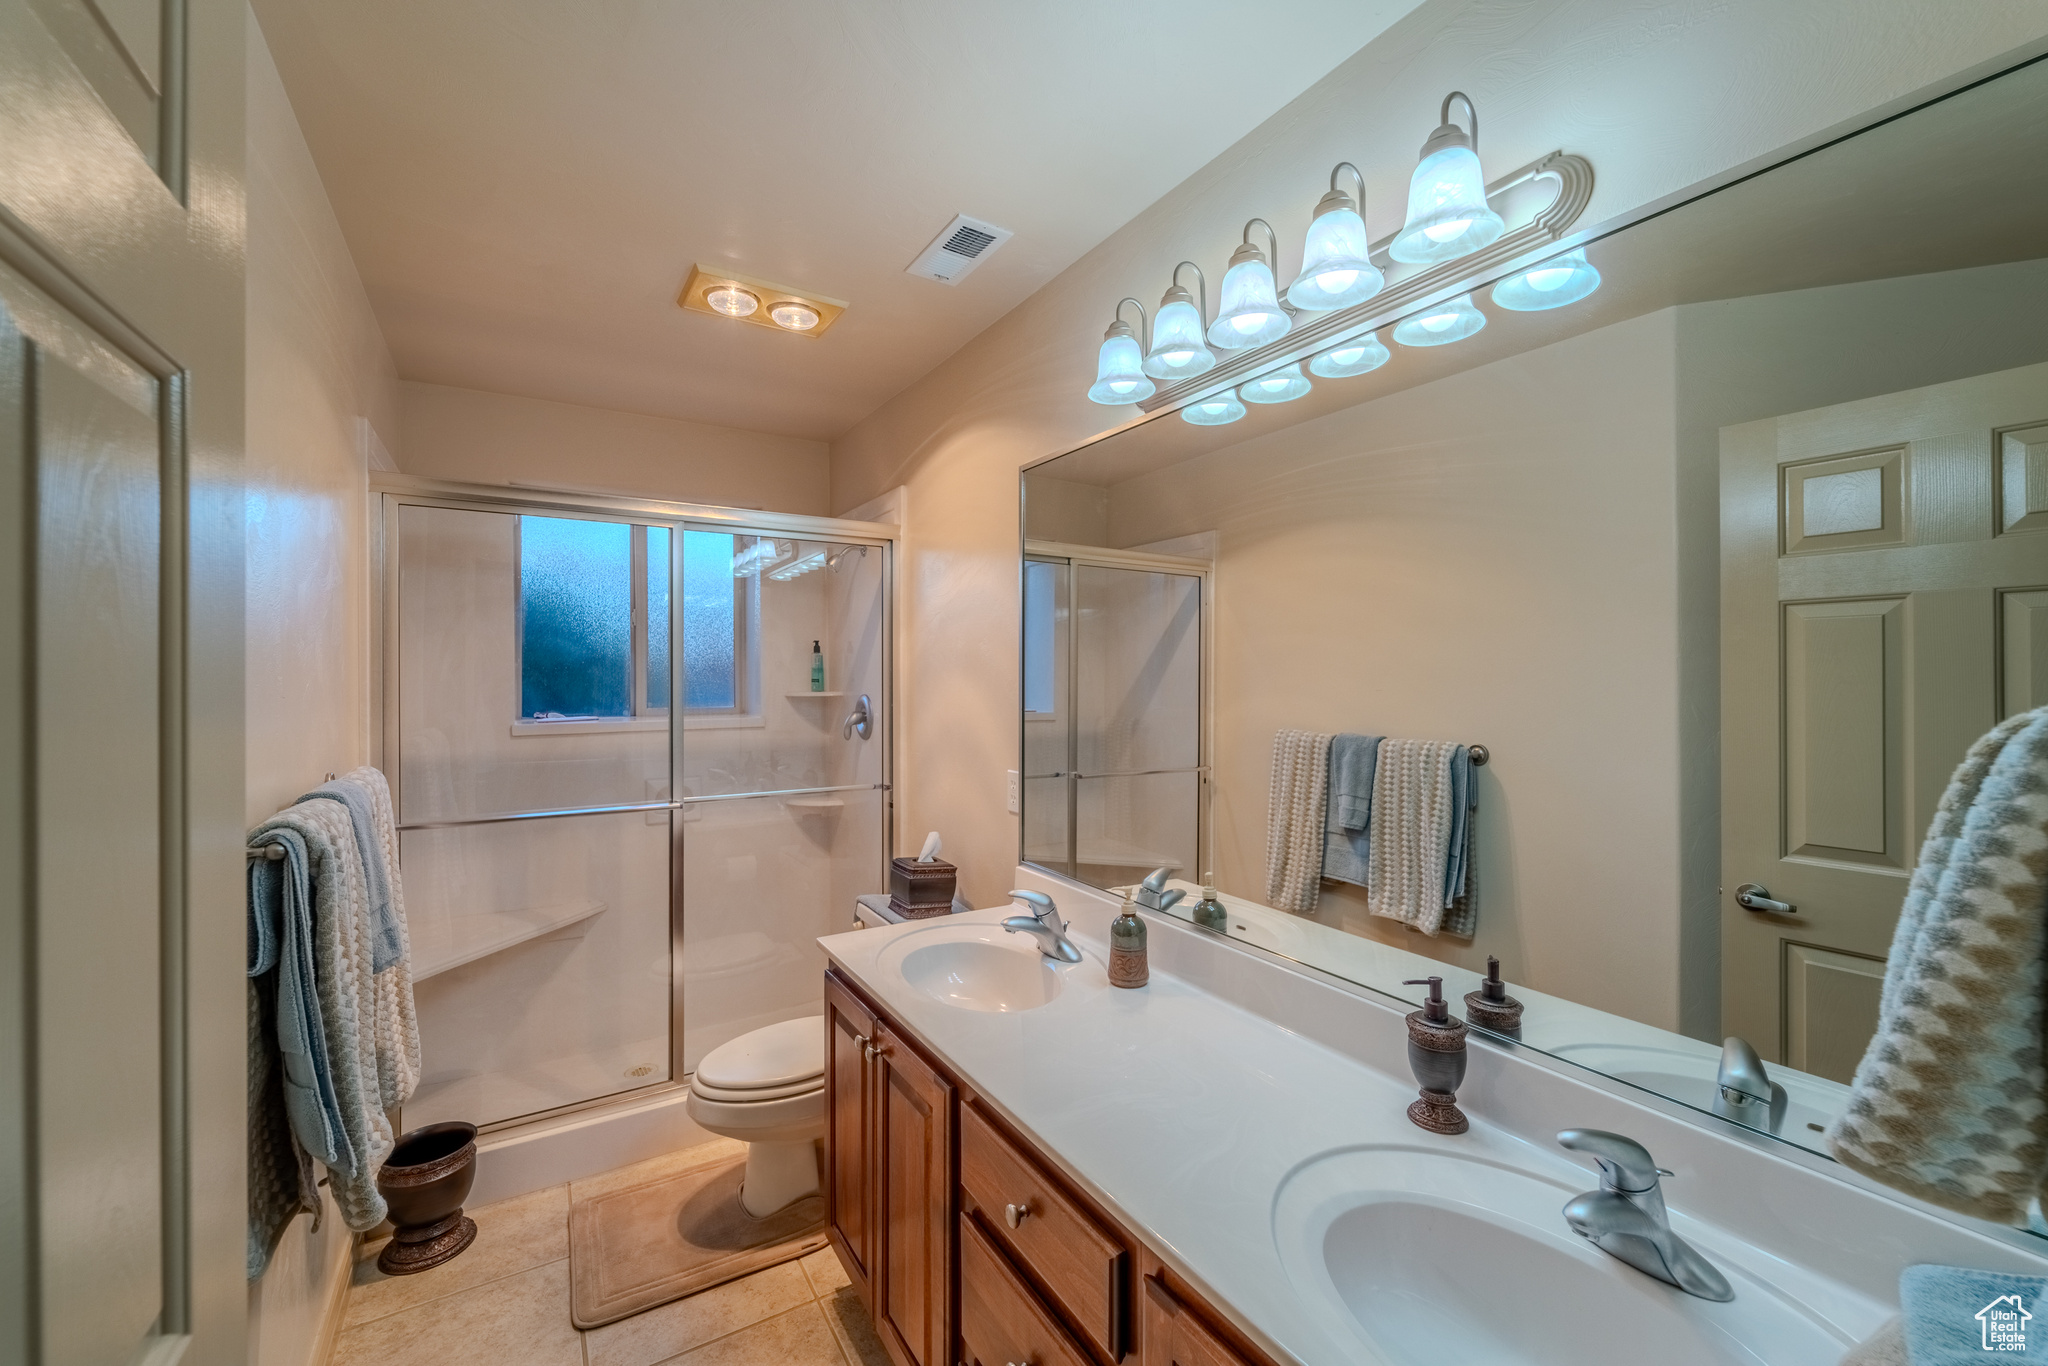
<point x="777" y="1056"/>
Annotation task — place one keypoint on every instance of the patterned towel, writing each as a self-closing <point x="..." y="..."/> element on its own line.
<point x="1417" y="804"/>
<point x="1296" y="805"/>
<point x="1950" y="1102"/>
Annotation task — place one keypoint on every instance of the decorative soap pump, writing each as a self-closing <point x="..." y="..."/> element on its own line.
<point x="1491" y="1007"/>
<point x="1210" y="911"/>
<point x="1436" y="1051"/>
<point x="1127" y="965"/>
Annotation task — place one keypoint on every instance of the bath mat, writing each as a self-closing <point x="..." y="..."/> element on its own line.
<point x="683" y="1232"/>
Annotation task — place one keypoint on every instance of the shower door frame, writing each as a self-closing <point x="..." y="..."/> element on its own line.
<point x="1140" y="561"/>
<point x="389" y="493"/>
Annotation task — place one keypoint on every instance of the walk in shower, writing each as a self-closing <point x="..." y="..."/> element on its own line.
<point x="628" y="804"/>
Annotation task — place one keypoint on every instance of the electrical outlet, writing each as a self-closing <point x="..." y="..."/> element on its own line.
<point x="1016" y="793"/>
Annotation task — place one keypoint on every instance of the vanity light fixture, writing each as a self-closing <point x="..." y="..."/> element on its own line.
<point x="1249" y="313"/>
<point x="1440" y="324"/>
<point x="1217" y="410"/>
<point x="1119" y="367"/>
<point x="1357" y="356"/>
<point x="1559" y="281"/>
<point x="1448" y="215"/>
<point x="1276" y="386"/>
<point x="1178" y="349"/>
<point x="759" y="302"/>
<point x="1336" y="269"/>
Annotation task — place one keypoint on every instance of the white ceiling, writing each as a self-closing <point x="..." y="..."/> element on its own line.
<point x="524" y="183"/>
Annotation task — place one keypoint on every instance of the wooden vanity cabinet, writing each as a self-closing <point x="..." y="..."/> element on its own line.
<point x="965" y="1244"/>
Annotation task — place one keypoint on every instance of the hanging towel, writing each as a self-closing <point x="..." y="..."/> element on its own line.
<point x="1461" y="905"/>
<point x="1948" y="1103"/>
<point x="1955" y="1316"/>
<point x="385" y="947"/>
<point x="286" y="1050"/>
<point x="1346" y="841"/>
<point x="1415" y="807"/>
<point x="1295" y="807"/>
<point x="353" y="1138"/>
<point x="397" y="1029"/>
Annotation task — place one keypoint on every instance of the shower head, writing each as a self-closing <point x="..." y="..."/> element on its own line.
<point x="832" y="560"/>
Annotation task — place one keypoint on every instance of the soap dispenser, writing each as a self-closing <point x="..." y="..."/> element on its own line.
<point x="817" y="668"/>
<point x="1127" y="962"/>
<point x="1436" y="1051"/>
<point x="1209" y="912"/>
<point x="1491" y="1007"/>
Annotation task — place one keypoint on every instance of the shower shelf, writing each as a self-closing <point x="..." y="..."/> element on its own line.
<point x="814" y="803"/>
<point x="471" y="937"/>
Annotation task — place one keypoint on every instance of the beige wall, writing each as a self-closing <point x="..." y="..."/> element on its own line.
<point x="317" y="366"/>
<point x="1659" y="98"/>
<point x="484" y="438"/>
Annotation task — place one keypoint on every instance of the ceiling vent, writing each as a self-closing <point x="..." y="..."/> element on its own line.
<point x="962" y="245"/>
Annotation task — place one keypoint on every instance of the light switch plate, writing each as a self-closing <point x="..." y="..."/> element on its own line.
<point x="1016" y="793"/>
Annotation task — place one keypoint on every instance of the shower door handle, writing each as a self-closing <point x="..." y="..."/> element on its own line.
<point x="860" y="719"/>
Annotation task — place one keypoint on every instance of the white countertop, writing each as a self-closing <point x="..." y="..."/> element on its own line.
<point x="1180" y="1112"/>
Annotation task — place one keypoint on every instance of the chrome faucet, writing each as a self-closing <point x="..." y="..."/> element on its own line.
<point x="1152" y="894"/>
<point x="1626" y="1217"/>
<point x="1044" y="925"/>
<point x="1744" y="1092"/>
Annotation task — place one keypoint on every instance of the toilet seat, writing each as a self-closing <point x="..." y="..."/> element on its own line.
<point x="767" y="1064"/>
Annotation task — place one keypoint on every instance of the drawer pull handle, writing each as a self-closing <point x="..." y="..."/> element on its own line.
<point x="860" y="1041"/>
<point x="876" y="1051"/>
<point x="1014" y="1215"/>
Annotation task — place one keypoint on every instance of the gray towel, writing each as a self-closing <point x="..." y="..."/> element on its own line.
<point x="1346" y="831"/>
<point x="1461" y="907"/>
<point x="1950" y="1102"/>
<point x="386" y="946"/>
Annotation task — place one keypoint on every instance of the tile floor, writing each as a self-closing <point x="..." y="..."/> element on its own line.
<point x="505" y="1302"/>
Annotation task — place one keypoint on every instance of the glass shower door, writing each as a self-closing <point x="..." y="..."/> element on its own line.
<point x="784" y="746"/>
<point x="531" y="780"/>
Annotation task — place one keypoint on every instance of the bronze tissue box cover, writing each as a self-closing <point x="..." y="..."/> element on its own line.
<point x="918" y="890"/>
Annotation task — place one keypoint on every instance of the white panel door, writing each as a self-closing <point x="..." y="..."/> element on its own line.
<point x="1884" y="603"/>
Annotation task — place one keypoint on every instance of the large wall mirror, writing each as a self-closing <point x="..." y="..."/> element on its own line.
<point x="1725" y="564"/>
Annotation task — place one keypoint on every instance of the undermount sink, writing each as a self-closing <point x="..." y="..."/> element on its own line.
<point x="976" y="967"/>
<point x="1432" y="1257"/>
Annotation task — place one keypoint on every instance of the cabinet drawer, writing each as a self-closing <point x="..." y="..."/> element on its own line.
<point x="1001" y="1321"/>
<point x="1078" y="1262"/>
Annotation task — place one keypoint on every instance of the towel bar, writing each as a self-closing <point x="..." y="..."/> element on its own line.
<point x="273" y="852"/>
<point x="1479" y="755"/>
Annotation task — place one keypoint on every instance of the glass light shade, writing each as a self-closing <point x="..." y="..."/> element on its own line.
<point x="1449" y="321"/>
<point x="797" y="317"/>
<point x="1218" y="410"/>
<point x="1177" y="346"/>
<point x="732" y="301"/>
<point x="1118" y="376"/>
<point x="1335" y="272"/>
<point x="1276" y="386"/>
<point x="1559" y="281"/>
<point x="1251" y="314"/>
<point x="1354" y="357"/>
<point x="1447" y="212"/>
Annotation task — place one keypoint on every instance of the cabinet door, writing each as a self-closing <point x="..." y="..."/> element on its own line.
<point x="849" y="1136"/>
<point x="913" y="1208"/>
<point x="1175" y="1337"/>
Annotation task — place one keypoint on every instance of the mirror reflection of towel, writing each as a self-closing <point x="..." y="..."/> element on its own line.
<point x="1422" y="819"/>
<point x="1346" y="832"/>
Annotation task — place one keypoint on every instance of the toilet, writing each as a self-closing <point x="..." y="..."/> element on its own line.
<point x="767" y="1089"/>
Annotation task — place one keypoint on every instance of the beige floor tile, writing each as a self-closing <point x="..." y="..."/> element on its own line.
<point x="666" y="1330"/>
<point x="511" y="1236"/>
<point x="854" y="1329"/>
<point x="654" y="1168"/>
<point x="799" y="1338"/>
<point x="522" y="1320"/>
<point x="825" y="1271"/>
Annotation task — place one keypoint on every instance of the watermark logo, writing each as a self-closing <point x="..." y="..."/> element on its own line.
<point x="2005" y="1322"/>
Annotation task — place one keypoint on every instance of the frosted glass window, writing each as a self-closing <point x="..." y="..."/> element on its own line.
<point x="1041" y="592"/>
<point x="575" y="618"/>
<point x="657" y="617"/>
<point x="710" y="622"/>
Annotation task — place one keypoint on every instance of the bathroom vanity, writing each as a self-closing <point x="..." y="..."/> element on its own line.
<point x="1025" y="1164"/>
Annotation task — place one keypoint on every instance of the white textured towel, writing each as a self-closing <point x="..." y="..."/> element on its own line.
<point x="1296" y="805"/>
<point x="1412" y="817"/>
<point x="397" y="1025"/>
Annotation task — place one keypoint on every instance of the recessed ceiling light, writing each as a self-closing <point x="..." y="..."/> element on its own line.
<point x="759" y="302"/>
<point x="731" y="300"/>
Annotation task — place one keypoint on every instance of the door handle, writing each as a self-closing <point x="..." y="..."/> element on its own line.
<point x="1754" y="896"/>
<point x="861" y="719"/>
